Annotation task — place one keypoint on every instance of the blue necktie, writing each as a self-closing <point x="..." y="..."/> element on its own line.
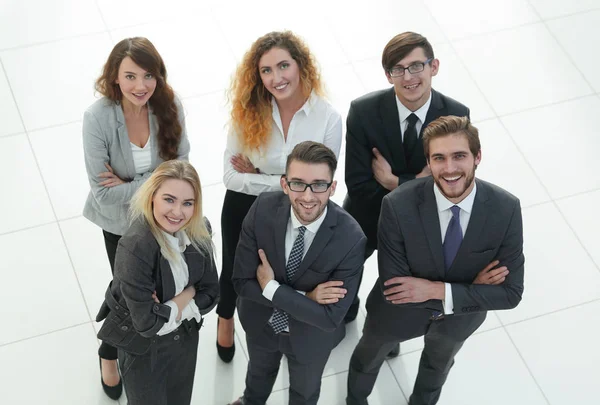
<point x="279" y="321"/>
<point x="453" y="238"/>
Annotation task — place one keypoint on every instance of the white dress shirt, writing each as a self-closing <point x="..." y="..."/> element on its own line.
<point x="445" y="215"/>
<point x="142" y="157"/>
<point x="181" y="275"/>
<point x="315" y="121"/>
<point x="291" y="234"/>
<point x="404" y="112"/>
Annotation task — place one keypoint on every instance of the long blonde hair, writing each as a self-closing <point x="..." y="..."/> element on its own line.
<point x="141" y="205"/>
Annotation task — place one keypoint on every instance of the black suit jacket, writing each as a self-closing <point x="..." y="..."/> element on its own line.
<point x="410" y="244"/>
<point x="336" y="253"/>
<point x="373" y="122"/>
<point x="141" y="269"/>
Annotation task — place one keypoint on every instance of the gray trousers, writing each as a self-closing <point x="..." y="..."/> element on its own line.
<point x="265" y="352"/>
<point x="443" y="339"/>
<point x="165" y="374"/>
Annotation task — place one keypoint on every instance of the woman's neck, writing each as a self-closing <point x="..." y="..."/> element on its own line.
<point x="292" y="105"/>
<point x="131" y="109"/>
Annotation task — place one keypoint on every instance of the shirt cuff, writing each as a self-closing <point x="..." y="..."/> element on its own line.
<point x="448" y="302"/>
<point x="270" y="289"/>
<point x="172" y="324"/>
<point x="301" y="292"/>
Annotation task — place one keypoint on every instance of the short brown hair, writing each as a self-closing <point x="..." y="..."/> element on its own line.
<point x="312" y="152"/>
<point x="451" y="124"/>
<point x="403" y="44"/>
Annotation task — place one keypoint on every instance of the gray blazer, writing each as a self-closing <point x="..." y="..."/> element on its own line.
<point x="336" y="253"/>
<point x="105" y="140"/>
<point x="410" y="244"/>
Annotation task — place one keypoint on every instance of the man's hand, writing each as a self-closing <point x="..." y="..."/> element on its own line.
<point x="264" y="272"/>
<point x="492" y="277"/>
<point x="328" y="292"/>
<point x="424" y="173"/>
<point x="407" y="290"/>
<point x="383" y="171"/>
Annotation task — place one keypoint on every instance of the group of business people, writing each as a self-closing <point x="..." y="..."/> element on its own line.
<point x="292" y="259"/>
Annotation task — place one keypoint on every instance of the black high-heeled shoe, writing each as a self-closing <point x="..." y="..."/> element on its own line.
<point x="113" y="392"/>
<point x="225" y="353"/>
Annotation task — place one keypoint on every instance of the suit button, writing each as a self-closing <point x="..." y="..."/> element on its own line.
<point x="117" y="307"/>
<point x="125" y="328"/>
<point x="125" y="313"/>
<point x="176" y="337"/>
<point x="156" y="308"/>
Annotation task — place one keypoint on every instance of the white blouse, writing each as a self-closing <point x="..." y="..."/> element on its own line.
<point x="181" y="275"/>
<point x="142" y="157"/>
<point x="316" y="121"/>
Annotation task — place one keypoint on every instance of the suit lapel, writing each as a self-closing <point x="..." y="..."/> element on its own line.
<point x="431" y="224"/>
<point x="391" y="124"/>
<point x="479" y="216"/>
<point x="282" y="216"/>
<point x="124" y="142"/>
<point x="320" y="241"/>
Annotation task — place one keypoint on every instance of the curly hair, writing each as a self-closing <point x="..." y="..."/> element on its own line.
<point x="145" y="55"/>
<point x="251" y="102"/>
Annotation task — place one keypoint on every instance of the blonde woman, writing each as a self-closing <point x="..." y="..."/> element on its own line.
<point x="165" y="281"/>
<point x="277" y="102"/>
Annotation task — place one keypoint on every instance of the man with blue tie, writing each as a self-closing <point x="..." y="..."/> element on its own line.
<point x="450" y="249"/>
<point x="297" y="268"/>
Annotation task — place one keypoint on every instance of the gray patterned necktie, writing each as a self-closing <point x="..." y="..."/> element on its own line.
<point x="279" y="321"/>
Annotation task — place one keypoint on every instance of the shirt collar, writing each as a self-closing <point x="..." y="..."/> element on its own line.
<point x="404" y="112"/>
<point x="444" y="204"/>
<point x="307" y="107"/>
<point x="179" y="241"/>
<point x="313" y="227"/>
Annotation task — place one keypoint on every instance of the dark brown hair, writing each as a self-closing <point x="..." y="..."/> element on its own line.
<point x="401" y="45"/>
<point x="451" y="124"/>
<point x="312" y="152"/>
<point x="251" y="112"/>
<point x="145" y="55"/>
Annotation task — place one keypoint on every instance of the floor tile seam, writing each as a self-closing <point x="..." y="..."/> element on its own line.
<point x="45" y="334"/>
<point x="386" y="362"/>
<point x="567" y="15"/>
<point x="547" y="314"/>
<point x="51" y="41"/>
<point x="537" y="384"/>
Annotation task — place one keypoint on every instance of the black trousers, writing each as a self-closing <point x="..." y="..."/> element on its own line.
<point x="265" y="352"/>
<point x="111" y="242"/>
<point x="443" y="339"/>
<point x="235" y="207"/>
<point x="164" y="375"/>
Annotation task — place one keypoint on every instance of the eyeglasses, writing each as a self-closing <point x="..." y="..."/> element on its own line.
<point x="417" y="67"/>
<point x="301" y="187"/>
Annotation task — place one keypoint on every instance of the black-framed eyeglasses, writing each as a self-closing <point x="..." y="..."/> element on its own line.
<point x="417" y="67"/>
<point x="300" y="187"/>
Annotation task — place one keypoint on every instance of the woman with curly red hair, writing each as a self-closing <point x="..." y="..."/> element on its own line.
<point x="133" y="128"/>
<point x="277" y="102"/>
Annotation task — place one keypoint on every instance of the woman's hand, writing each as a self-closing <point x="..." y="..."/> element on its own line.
<point x="183" y="299"/>
<point x="111" y="178"/>
<point x="242" y="164"/>
<point x="155" y="298"/>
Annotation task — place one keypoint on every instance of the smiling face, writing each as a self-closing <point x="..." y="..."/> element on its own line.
<point x="137" y="85"/>
<point x="308" y="206"/>
<point x="453" y="165"/>
<point x="173" y="205"/>
<point x="413" y="89"/>
<point x="280" y="74"/>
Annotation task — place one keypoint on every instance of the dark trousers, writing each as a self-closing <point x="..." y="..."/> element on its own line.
<point x="265" y="352"/>
<point x="235" y="207"/>
<point x="164" y="375"/>
<point x="443" y="339"/>
<point x="111" y="241"/>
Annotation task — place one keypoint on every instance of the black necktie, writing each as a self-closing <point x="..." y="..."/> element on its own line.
<point x="453" y="238"/>
<point x="410" y="136"/>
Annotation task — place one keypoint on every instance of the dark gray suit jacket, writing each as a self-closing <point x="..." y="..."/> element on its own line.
<point x="373" y="122"/>
<point x="336" y="253"/>
<point x="410" y="244"/>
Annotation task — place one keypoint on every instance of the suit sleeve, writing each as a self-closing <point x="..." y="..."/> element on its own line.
<point x="247" y="261"/>
<point x="207" y="289"/>
<point x="326" y="317"/>
<point x="469" y="298"/>
<point x="391" y="254"/>
<point x="137" y="286"/>
<point x="360" y="180"/>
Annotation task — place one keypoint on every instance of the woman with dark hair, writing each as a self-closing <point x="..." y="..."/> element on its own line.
<point x="165" y="281"/>
<point x="136" y="125"/>
<point x="277" y="102"/>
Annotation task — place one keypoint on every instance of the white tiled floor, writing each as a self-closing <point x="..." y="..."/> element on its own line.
<point x="526" y="68"/>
